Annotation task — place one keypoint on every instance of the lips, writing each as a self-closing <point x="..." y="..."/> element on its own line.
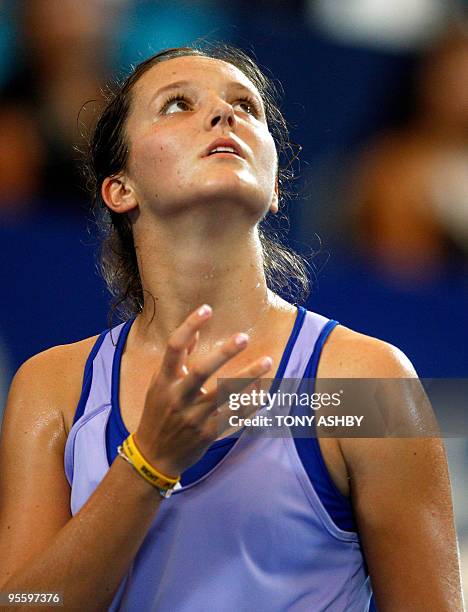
<point x="224" y="142"/>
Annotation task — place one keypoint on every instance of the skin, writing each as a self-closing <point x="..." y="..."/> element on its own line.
<point x="175" y="198"/>
<point x="185" y="259"/>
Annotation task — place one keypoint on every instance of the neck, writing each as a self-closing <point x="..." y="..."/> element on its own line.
<point x="181" y="270"/>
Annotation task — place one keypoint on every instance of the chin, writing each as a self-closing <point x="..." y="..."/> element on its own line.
<point x="233" y="189"/>
<point x="234" y="197"/>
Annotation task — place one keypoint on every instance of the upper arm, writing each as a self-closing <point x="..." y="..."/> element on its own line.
<point x="401" y="495"/>
<point x="34" y="492"/>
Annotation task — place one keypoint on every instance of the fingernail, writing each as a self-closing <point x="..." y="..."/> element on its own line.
<point x="267" y="362"/>
<point x="241" y="339"/>
<point x="204" y="310"/>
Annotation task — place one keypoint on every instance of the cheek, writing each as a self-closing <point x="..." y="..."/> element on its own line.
<point x="268" y="160"/>
<point x="154" y="155"/>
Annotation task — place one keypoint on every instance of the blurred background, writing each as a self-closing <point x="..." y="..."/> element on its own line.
<point x="375" y="92"/>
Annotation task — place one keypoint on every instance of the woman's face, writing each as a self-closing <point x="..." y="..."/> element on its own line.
<point x="179" y="109"/>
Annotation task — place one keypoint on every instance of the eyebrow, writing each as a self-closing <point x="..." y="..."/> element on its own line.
<point x="184" y="83"/>
<point x="174" y="85"/>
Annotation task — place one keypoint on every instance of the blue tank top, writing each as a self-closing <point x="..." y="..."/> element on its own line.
<point x="257" y="522"/>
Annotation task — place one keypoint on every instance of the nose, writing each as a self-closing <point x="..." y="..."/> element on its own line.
<point x="221" y="114"/>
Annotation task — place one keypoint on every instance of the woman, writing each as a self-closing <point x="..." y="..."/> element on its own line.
<point x="186" y="166"/>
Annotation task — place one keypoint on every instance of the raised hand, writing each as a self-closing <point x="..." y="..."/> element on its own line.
<point x="180" y="418"/>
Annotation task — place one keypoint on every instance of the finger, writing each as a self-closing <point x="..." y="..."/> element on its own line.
<point x="246" y="376"/>
<point x="245" y="382"/>
<point x="193" y="342"/>
<point x="185" y="371"/>
<point x="180" y="340"/>
<point x="246" y="379"/>
<point x="245" y="411"/>
<point x="202" y="370"/>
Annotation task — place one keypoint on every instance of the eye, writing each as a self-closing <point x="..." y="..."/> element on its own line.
<point x="249" y="105"/>
<point x="174" y="104"/>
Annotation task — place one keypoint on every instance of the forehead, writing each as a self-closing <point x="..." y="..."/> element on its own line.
<point x="205" y="71"/>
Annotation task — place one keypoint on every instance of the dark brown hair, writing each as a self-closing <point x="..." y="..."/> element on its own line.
<point x="285" y="270"/>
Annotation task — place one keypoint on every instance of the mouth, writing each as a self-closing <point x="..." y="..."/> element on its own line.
<point x="224" y="147"/>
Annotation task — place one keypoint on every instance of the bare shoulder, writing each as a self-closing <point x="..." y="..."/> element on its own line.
<point x="398" y="485"/>
<point x="49" y="383"/>
<point x="40" y="407"/>
<point x="350" y="354"/>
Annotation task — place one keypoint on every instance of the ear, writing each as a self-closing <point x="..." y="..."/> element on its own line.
<point x="275" y="199"/>
<point x="118" y="194"/>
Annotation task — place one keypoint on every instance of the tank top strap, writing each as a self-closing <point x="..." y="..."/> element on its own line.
<point x="336" y="505"/>
<point x="95" y="391"/>
<point x="306" y="343"/>
<point x="97" y="378"/>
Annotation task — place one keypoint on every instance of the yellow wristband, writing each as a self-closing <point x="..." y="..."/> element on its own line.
<point x="144" y="468"/>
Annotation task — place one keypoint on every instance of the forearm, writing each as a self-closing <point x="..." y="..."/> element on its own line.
<point x="88" y="558"/>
